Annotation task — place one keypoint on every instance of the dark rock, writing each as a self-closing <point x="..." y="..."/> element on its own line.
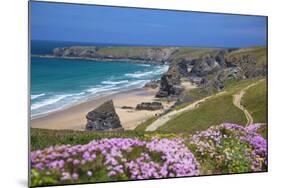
<point x="185" y="65"/>
<point x="222" y="75"/>
<point x="209" y="63"/>
<point x="162" y="94"/>
<point x="170" y="83"/>
<point x="127" y="107"/>
<point x="152" y="84"/>
<point x="183" y="68"/>
<point x="103" y="118"/>
<point x="176" y="90"/>
<point x="248" y="63"/>
<point x="197" y="80"/>
<point x="149" y="106"/>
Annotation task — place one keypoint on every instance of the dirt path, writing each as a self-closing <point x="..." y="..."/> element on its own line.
<point x="165" y="118"/>
<point x="237" y="102"/>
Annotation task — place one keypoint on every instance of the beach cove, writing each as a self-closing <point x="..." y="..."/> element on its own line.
<point x="75" y="117"/>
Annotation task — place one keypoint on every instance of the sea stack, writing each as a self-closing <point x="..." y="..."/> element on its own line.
<point x="103" y="118"/>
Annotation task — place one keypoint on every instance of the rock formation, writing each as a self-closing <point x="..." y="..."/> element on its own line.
<point x="151" y="54"/>
<point x="208" y="68"/>
<point x="127" y="107"/>
<point x="149" y="106"/>
<point x="103" y="118"/>
<point x="152" y="84"/>
<point x="170" y="83"/>
<point x="209" y="63"/>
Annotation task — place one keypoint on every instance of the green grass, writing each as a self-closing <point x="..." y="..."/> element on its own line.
<point x="145" y="124"/>
<point x="255" y="101"/>
<point x="233" y="86"/>
<point x="123" y="51"/>
<point x="259" y="52"/>
<point x="193" y="95"/>
<point x="212" y="112"/>
<point x="190" y="53"/>
<point x="41" y="138"/>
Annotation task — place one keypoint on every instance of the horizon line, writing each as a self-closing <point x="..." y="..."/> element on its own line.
<point x="146" y="45"/>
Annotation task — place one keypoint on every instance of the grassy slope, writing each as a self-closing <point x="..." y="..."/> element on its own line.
<point x="214" y="111"/>
<point x="122" y="51"/>
<point x="144" y="125"/>
<point x="195" y="94"/>
<point x="255" y="101"/>
<point x="259" y="52"/>
<point x="134" y="51"/>
<point x="41" y="138"/>
<point x="190" y="53"/>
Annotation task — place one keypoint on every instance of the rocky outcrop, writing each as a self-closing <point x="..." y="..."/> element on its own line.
<point x="248" y="62"/>
<point x="149" y="106"/>
<point x="103" y="118"/>
<point x="152" y="84"/>
<point x="170" y="83"/>
<point x="185" y="65"/>
<point x="207" y="68"/>
<point x="217" y="80"/>
<point x="127" y="108"/>
<point x="150" y="54"/>
<point x="209" y="63"/>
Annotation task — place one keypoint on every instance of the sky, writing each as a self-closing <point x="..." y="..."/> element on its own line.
<point x="145" y="27"/>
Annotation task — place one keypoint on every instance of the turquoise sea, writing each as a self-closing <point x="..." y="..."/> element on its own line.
<point x="59" y="83"/>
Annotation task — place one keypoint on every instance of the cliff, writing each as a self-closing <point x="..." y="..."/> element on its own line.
<point x="207" y="67"/>
<point x="149" y="54"/>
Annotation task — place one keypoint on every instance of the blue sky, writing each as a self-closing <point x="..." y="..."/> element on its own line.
<point x="130" y="26"/>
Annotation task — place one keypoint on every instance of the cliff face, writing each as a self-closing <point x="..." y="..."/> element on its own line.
<point x="210" y="69"/>
<point x="156" y="55"/>
<point x="207" y="67"/>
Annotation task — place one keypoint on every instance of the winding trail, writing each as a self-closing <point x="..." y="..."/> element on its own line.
<point x="237" y="102"/>
<point x="165" y="118"/>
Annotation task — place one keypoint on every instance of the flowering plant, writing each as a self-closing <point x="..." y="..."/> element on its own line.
<point x="112" y="159"/>
<point x="231" y="148"/>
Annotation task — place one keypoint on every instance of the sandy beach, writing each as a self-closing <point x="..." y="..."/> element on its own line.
<point x="74" y="117"/>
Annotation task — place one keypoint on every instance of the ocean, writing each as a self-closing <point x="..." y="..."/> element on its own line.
<point x="58" y="83"/>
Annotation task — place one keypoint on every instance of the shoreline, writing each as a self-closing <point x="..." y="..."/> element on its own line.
<point x="84" y="100"/>
<point x="74" y="117"/>
<point x="136" y="61"/>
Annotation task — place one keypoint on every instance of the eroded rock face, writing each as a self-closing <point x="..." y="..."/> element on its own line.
<point x="248" y="64"/>
<point x="103" y="118"/>
<point x="153" y="54"/>
<point x="152" y="84"/>
<point x="170" y="83"/>
<point x="209" y="63"/>
<point x="149" y="106"/>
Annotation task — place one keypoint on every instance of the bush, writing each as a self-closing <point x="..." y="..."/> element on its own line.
<point x="112" y="159"/>
<point x="230" y="148"/>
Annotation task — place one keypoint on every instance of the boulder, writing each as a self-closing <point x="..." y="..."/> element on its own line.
<point x="152" y="84"/>
<point x="170" y="83"/>
<point x="127" y="107"/>
<point x="103" y="118"/>
<point x="149" y="106"/>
